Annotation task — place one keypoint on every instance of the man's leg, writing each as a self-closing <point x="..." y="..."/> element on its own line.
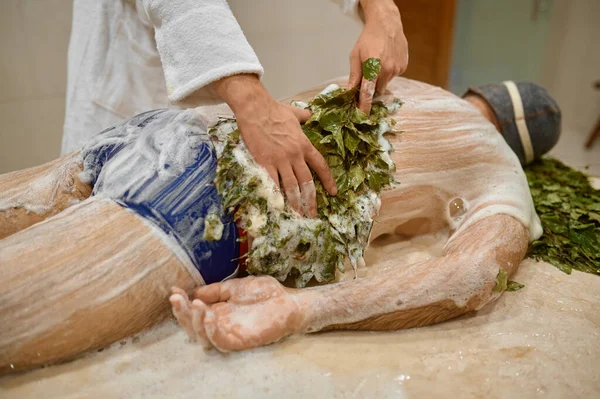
<point x="31" y="195"/>
<point x="83" y="279"/>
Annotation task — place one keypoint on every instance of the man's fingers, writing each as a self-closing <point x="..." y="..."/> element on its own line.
<point x="316" y="161"/>
<point x="301" y="114"/>
<point x="198" y="313"/>
<point x="309" y="197"/>
<point x="355" y="70"/>
<point x="213" y="293"/>
<point x="181" y="311"/>
<point x="367" y="90"/>
<point x="290" y="188"/>
<point x="177" y="290"/>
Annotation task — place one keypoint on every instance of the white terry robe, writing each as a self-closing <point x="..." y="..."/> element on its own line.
<point x="130" y="56"/>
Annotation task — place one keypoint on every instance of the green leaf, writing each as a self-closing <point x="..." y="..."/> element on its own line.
<point x="377" y="180"/>
<point x="513" y="286"/>
<point x="370" y="139"/>
<point x="356" y="176"/>
<point x="335" y="160"/>
<point x="213" y="227"/>
<point x="378" y="111"/>
<point x="371" y="68"/>
<point x="333" y="119"/>
<point x="501" y="281"/>
<point x="360" y="118"/>
<point x="342" y="97"/>
<point x="339" y="139"/>
<point x="594" y="216"/>
<point x="351" y="140"/>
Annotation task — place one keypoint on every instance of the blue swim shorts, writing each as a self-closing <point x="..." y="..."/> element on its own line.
<point x="161" y="165"/>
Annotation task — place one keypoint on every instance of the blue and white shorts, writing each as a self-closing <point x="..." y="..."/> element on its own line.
<point x="161" y="165"/>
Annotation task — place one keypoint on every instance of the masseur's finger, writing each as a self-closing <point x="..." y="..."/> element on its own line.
<point x="309" y="198"/>
<point x="355" y="69"/>
<point x="382" y="80"/>
<point x="274" y="175"/>
<point x="301" y="114"/>
<point x="307" y="189"/>
<point x="316" y="161"/>
<point x="367" y="89"/>
<point x="290" y="188"/>
<point x="213" y="293"/>
<point x="198" y="314"/>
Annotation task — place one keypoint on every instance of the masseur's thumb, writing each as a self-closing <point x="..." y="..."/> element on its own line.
<point x="300" y="113"/>
<point x="355" y="70"/>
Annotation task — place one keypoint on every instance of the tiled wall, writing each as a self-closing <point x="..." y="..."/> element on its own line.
<point x="34" y="36"/>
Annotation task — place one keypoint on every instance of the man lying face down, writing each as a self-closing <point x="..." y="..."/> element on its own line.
<point x="103" y="269"/>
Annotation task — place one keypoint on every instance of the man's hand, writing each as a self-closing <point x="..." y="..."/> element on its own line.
<point x="382" y="38"/>
<point x="240" y="314"/>
<point x="273" y="135"/>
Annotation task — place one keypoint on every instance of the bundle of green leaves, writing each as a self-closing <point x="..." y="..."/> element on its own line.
<point x="284" y="243"/>
<point x="569" y="208"/>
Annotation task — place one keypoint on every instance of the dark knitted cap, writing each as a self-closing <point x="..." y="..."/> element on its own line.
<point x="529" y="117"/>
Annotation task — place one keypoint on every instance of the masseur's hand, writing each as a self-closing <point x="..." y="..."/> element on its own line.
<point x="382" y="38"/>
<point x="273" y="135"/>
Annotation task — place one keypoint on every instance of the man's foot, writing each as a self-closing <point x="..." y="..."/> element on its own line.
<point x="239" y="314"/>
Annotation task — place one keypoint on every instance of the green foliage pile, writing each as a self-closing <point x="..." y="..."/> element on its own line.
<point x="569" y="208"/>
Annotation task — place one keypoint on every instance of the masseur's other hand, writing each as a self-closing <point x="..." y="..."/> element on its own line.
<point x="273" y="135"/>
<point x="382" y="38"/>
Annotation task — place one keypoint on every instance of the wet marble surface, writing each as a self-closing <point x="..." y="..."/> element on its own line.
<point x="541" y="341"/>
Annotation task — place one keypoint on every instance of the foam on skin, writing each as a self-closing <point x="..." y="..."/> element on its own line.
<point x="463" y="157"/>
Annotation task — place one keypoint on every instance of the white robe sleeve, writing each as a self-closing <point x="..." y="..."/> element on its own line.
<point x="349" y="7"/>
<point x="199" y="42"/>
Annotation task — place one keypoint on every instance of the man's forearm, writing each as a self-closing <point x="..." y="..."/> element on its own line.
<point x="357" y="300"/>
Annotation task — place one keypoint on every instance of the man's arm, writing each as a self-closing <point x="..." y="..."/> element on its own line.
<point x="245" y="313"/>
